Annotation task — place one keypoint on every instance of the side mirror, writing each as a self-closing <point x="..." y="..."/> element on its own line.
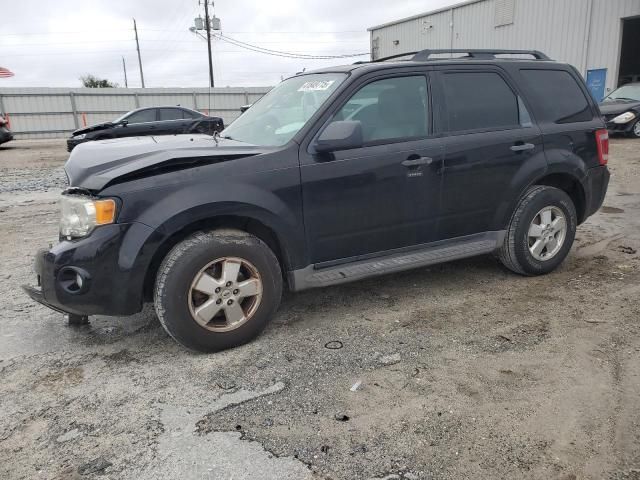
<point x="340" y="135"/>
<point x="124" y="123"/>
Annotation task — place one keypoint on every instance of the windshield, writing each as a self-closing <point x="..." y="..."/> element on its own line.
<point x="627" y="92"/>
<point x="281" y="113"/>
<point x="121" y="117"/>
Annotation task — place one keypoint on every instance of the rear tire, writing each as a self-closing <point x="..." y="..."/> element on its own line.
<point x="540" y="233"/>
<point x="217" y="290"/>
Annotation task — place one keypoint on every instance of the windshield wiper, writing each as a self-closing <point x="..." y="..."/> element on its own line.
<point x="625" y="98"/>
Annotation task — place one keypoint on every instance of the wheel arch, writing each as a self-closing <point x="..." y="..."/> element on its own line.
<point x="569" y="184"/>
<point x="254" y="226"/>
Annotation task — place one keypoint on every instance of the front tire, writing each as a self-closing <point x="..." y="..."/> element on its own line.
<point x="635" y="130"/>
<point x="541" y="232"/>
<point x="217" y="290"/>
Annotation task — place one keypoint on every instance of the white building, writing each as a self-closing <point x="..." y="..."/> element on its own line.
<point x="599" y="37"/>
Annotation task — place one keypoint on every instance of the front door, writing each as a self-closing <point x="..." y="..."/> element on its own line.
<point x="489" y="138"/>
<point x="385" y="195"/>
<point x="142" y="122"/>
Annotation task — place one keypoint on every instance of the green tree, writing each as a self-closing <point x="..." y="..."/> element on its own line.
<point x="91" y="81"/>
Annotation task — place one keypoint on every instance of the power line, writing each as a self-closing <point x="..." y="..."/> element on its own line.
<point x="294" y="55"/>
<point x="279" y="53"/>
<point x="190" y="41"/>
<point x="253" y="32"/>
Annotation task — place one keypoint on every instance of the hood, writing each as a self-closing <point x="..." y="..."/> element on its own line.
<point x="93" y="165"/>
<point x="616" y="107"/>
<point x="92" y="128"/>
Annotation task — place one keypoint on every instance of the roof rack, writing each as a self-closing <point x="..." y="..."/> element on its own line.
<point x="488" y="54"/>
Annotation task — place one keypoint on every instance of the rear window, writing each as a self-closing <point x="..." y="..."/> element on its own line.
<point x="481" y="100"/>
<point x="559" y="96"/>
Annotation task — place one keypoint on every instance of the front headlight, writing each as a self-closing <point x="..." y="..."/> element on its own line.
<point x="79" y="137"/>
<point x="80" y="215"/>
<point x="624" y="118"/>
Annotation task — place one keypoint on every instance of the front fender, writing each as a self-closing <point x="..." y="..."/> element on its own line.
<point x="271" y="198"/>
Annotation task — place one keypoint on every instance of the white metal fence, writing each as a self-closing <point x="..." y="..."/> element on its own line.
<point x="54" y="112"/>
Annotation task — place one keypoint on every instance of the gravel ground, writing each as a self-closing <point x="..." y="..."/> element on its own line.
<point x="458" y="371"/>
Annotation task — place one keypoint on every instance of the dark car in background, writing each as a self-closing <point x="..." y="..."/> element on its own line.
<point x="621" y="110"/>
<point x="5" y="133"/>
<point x="149" y="121"/>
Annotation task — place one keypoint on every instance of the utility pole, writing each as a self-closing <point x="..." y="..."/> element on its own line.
<point x="124" y="68"/>
<point x="135" y="29"/>
<point x="207" y="22"/>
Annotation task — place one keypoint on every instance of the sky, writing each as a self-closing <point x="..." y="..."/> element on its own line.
<point x="52" y="44"/>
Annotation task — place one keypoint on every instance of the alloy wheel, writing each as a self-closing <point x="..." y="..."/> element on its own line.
<point x="547" y="233"/>
<point x="225" y="294"/>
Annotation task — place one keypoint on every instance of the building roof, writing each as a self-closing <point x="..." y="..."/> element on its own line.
<point x="426" y="14"/>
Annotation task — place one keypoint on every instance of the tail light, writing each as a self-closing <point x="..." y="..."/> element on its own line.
<point x="602" y="140"/>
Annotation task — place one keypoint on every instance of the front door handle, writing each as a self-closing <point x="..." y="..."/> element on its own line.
<point x="521" y="147"/>
<point x="416" y="162"/>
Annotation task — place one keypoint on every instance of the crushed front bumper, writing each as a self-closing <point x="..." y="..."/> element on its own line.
<point x="620" y="129"/>
<point x="111" y="264"/>
<point x="36" y="295"/>
<point x="73" y="143"/>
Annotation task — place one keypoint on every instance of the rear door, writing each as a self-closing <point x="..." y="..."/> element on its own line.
<point x="172" y="121"/>
<point x="386" y="194"/>
<point x="489" y="138"/>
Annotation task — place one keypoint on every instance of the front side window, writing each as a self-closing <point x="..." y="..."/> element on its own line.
<point x="142" y="116"/>
<point x="280" y="114"/>
<point x="559" y="95"/>
<point x="481" y="101"/>
<point x="389" y="109"/>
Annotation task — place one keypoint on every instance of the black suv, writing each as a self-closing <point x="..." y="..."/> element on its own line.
<point x="333" y="176"/>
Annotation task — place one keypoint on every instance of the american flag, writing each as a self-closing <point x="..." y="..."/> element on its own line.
<point x="5" y="73"/>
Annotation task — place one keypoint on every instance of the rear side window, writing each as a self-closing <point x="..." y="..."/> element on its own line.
<point x="188" y="114"/>
<point x="171" y="114"/>
<point x="481" y="100"/>
<point x="559" y="95"/>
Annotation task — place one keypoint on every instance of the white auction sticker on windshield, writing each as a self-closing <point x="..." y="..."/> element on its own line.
<point x="316" y="86"/>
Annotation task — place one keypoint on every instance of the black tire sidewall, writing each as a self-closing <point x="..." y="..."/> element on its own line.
<point x="545" y="198"/>
<point x="173" y="294"/>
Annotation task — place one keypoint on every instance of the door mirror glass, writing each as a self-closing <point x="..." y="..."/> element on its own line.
<point x="124" y="123"/>
<point x="340" y="135"/>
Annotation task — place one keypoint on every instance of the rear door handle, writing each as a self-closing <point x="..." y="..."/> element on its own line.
<point x="416" y="162"/>
<point x="521" y="147"/>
